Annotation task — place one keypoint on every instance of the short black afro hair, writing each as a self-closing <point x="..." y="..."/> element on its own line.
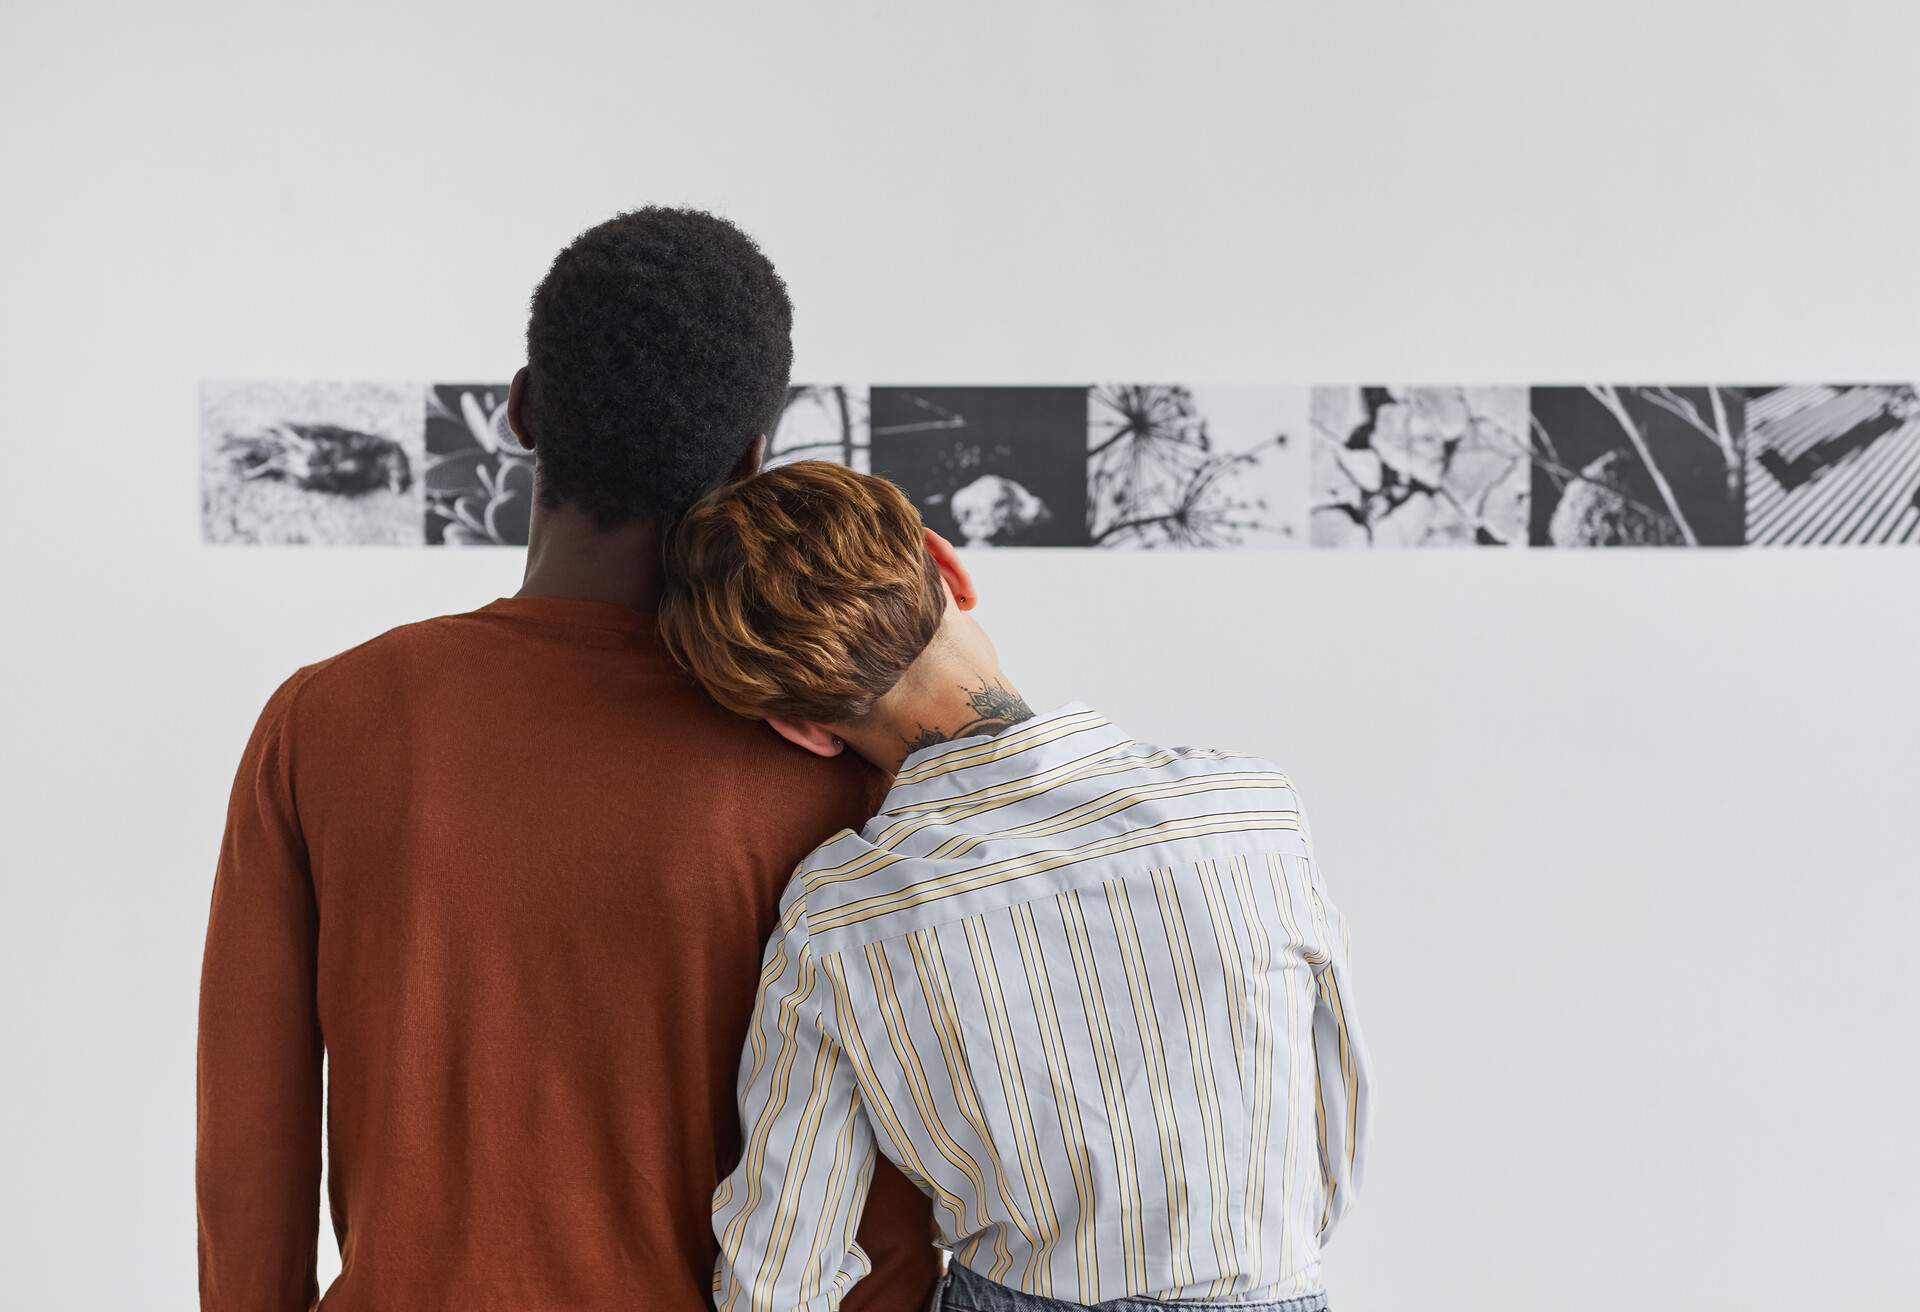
<point x="659" y="347"/>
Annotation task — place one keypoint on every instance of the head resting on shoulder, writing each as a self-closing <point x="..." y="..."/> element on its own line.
<point x="812" y="597"/>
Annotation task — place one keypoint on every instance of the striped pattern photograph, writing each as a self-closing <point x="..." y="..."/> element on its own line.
<point x="1829" y="465"/>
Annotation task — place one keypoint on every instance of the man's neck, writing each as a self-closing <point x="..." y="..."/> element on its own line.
<point x="571" y="558"/>
<point x="941" y="706"/>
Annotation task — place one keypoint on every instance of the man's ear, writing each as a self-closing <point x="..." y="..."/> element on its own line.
<point x="816" y="738"/>
<point x="959" y="582"/>
<point x="517" y="408"/>
<point x="750" y="460"/>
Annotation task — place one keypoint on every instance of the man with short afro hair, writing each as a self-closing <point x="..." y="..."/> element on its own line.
<point x="642" y="400"/>
<point x="508" y="874"/>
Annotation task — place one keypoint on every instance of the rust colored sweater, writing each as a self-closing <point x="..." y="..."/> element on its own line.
<point x="511" y="874"/>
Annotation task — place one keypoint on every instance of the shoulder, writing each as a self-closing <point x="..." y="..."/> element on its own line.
<point x="319" y="693"/>
<point x="997" y="835"/>
<point x="841" y="853"/>
<point x="328" y="679"/>
<point x="1254" y="780"/>
<point x="1187" y="761"/>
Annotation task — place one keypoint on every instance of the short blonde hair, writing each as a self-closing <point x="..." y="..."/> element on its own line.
<point x="804" y="592"/>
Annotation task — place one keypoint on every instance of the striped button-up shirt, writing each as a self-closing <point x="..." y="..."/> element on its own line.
<point x="1091" y="996"/>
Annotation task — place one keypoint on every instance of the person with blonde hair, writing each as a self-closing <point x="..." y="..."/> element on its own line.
<point x="1089" y="994"/>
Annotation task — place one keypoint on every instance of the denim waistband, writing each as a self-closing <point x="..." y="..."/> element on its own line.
<point x="967" y="1291"/>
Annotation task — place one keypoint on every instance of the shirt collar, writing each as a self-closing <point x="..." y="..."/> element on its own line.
<point x="1073" y="732"/>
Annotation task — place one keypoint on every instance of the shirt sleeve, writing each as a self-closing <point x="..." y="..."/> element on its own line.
<point x="1343" y="1092"/>
<point x="785" y="1217"/>
<point x="258" y="1149"/>
<point x="897" y="1231"/>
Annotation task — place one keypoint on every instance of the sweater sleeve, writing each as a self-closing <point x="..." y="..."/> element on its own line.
<point x="258" y="1147"/>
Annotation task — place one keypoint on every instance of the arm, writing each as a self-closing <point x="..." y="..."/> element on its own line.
<point x="258" y="1152"/>
<point x="785" y="1217"/>
<point x="1344" y="1097"/>
<point x="897" y="1231"/>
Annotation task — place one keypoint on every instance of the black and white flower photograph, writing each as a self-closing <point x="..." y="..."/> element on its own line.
<point x="479" y="478"/>
<point x="988" y="466"/>
<point x="1420" y="466"/>
<point x="327" y="462"/>
<point x="1196" y="466"/>
<point x="1618" y="466"/>
<point x="822" y="421"/>
<point x="1833" y="464"/>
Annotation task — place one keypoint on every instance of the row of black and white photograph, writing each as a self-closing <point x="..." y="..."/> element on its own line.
<point x="1145" y="465"/>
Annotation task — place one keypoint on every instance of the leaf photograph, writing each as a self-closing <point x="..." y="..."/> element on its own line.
<point x="479" y="477"/>
<point x="1638" y="466"/>
<point x="1420" y="466"/>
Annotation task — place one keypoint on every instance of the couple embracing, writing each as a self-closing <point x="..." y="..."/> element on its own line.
<point x="713" y="923"/>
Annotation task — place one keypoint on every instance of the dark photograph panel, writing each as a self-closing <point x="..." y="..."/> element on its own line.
<point x="1831" y="464"/>
<point x="822" y="421"/>
<point x="479" y="478"/>
<point x="324" y="462"/>
<point x="988" y="466"/>
<point x="1621" y="466"/>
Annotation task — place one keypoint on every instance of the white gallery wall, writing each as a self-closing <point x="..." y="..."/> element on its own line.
<point x="1626" y="838"/>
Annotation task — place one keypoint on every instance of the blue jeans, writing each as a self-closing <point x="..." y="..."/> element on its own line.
<point x="965" y="1291"/>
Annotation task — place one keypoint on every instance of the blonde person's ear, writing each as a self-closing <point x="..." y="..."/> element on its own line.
<point x="815" y="738"/>
<point x="959" y="582"/>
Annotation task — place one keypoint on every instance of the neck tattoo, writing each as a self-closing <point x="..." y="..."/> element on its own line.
<point x="993" y="707"/>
